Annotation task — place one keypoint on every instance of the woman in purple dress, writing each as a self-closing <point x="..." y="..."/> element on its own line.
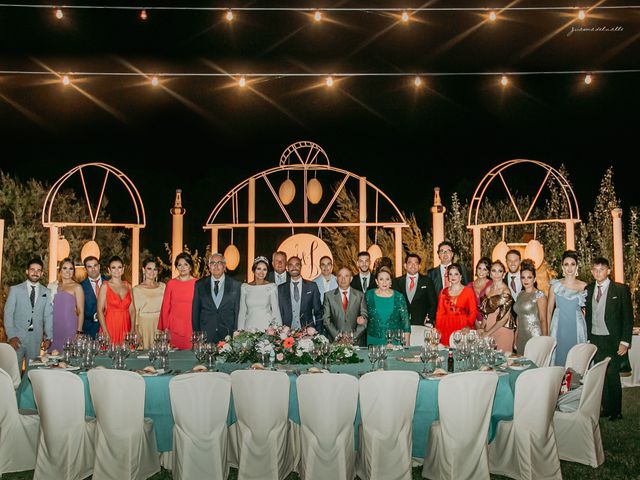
<point x="68" y="306"/>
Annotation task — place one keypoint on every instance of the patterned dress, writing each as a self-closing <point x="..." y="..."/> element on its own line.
<point x="526" y="307"/>
<point x="455" y="312"/>
<point x="385" y="313"/>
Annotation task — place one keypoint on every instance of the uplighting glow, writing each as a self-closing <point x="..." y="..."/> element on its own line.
<point x="493" y="16"/>
<point x="329" y="81"/>
<point x="229" y="16"/>
<point x="242" y="82"/>
<point x="317" y="16"/>
<point x="154" y="81"/>
<point x="417" y="81"/>
<point x="504" y="81"/>
<point x="582" y="15"/>
<point x="405" y="17"/>
<point x="65" y="80"/>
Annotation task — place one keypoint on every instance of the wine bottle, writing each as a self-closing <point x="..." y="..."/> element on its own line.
<point x="450" y="366"/>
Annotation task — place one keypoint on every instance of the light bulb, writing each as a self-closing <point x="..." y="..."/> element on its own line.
<point x="582" y="15"/>
<point x="417" y="81"/>
<point x="317" y="16"/>
<point x="493" y="16"/>
<point x="59" y="13"/>
<point x="229" y="16"/>
<point x="143" y="15"/>
<point x="242" y="82"/>
<point x="504" y="80"/>
<point x="154" y="81"/>
<point x="329" y="81"/>
<point x="588" y="79"/>
<point x="405" y="17"/>
<point x="65" y="80"/>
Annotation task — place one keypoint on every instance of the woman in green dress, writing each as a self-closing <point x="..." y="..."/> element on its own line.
<point x="387" y="310"/>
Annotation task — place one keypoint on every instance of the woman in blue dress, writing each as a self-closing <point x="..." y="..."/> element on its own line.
<point x="387" y="310"/>
<point x="566" y="300"/>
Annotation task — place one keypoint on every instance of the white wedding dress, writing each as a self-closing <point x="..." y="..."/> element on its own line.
<point x="258" y="306"/>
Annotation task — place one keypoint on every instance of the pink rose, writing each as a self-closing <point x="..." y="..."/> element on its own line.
<point x="280" y="357"/>
<point x="270" y="331"/>
<point x="285" y="329"/>
<point x="236" y="333"/>
<point x="311" y="331"/>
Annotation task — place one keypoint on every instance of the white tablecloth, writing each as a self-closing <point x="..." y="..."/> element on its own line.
<point x="634" y="359"/>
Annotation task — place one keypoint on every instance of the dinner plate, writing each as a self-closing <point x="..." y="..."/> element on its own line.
<point x="69" y="369"/>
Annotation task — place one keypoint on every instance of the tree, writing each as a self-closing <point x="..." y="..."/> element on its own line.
<point x="600" y="225"/>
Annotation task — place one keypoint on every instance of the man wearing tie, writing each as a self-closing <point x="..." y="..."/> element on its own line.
<point x="279" y="275"/>
<point x="418" y="292"/>
<point x="299" y="300"/>
<point x="364" y="280"/>
<point x="28" y="314"/>
<point x="609" y="318"/>
<point x="216" y="301"/>
<point x="438" y="275"/>
<point x="512" y="279"/>
<point x="91" y="285"/>
<point x="345" y="309"/>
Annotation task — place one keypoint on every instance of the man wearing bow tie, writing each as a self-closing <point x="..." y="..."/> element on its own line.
<point x="609" y="318"/>
<point x="28" y="314"/>
<point x="418" y="291"/>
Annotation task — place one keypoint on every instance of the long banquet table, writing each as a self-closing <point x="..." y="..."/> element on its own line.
<point x="158" y="405"/>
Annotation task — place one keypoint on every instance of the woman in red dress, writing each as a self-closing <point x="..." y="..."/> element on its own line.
<point x="177" y="302"/>
<point x="115" y="304"/>
<point x="456" y="305"/>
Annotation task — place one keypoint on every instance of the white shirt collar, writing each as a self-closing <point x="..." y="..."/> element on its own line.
<point x="604" y="285"/>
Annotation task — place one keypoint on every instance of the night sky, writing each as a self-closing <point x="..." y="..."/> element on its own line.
<point x="404" y="139"/>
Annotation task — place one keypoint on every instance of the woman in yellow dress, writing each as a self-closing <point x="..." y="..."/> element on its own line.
<point x="147" y="297"/>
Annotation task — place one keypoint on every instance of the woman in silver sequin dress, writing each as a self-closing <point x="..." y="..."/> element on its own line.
<point x="531" y="308"/>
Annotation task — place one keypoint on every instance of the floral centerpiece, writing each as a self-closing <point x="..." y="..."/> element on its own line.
<point x="288" y="346"/>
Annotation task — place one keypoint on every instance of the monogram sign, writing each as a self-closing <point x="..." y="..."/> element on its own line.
<point x="310" y="249"/>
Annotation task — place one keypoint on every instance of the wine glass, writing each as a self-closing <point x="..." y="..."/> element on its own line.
<point x="373" y="356"/>
<point x="390" y="334"/>
<point x="399" y="336"/>
<point x="436" y="336"/>
<point x="313" y="353"/>
<point x="425" y="356"/>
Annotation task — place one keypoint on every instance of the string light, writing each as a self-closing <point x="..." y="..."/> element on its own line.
<point x="242" y="82"/>
<point x="59" y="13"/>
<point x="417" y="81"/>
<point x="329" y="81"/>
<point x="405" y="16"/>
<point x="504" y="81"/>
<point x="493" y="16"/>
<point x="582" y="15"/>
<point x="143" y="15"/>
<point x="588" y="79"/>
<point x="65" y="80"/>
<point x="229" y="16"/>
<point x="154" y="81"/>
<point x="317" y="16"/>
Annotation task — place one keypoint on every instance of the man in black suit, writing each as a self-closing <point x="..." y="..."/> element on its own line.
<point x="363" y="281"/>
<point x="216" y="301"/>
<point x="609" y="318"/>
<point x="279" y="274"/>
<point x="418" y="291"/>
<point x="299" y="300"/>
<point x="438" y="275"/>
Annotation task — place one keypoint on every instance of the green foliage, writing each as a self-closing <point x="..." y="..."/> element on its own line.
<point x="599" y="225"/>
<point x="632" y="258"/>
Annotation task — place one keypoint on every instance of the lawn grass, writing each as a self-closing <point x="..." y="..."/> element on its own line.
<point x="621" y="447"/>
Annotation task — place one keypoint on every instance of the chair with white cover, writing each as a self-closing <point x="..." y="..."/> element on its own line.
<point x="539" y="350"/>
<point x="18" y="433"/>
<point x="328" y="405"/>
<point x="578" y="433"/>
<point x="580" y="356"/>
<point x="65" y="445"/>
<point x="458" y="441"/>
<point x="387" y="402"/>
<point x="9" y="363"/>
<point x="200" y="406"/>
<point x="125" y="441"/>
<point x="525" y="447"/>
<point x="417" y="335"/>
<point x="261" y="400"/>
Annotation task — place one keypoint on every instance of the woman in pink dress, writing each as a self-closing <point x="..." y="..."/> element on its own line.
<point x="481" y="284"/>
<point x="456" y="305"/>
<point x="496" y="309"/>
<point x="115" y="304"/>
<point x="177" y="302"/>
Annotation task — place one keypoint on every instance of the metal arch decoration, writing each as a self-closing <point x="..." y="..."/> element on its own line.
<point x="301" y="158"/>
<point x="496" y="173"/>
<point x="94" y="208"/>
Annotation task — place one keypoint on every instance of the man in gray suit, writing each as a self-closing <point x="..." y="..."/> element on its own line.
<point x="216" y="301"/>
<point x="345" y="309"/>
<point x="28" y="314"/>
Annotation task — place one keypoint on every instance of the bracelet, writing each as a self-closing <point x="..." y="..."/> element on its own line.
<point x="79" y="332"/>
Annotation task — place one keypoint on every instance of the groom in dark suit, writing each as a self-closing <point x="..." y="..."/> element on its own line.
<point x="91" y="285"/>
<point x="299" y="299"/>
<point x="418" y="291"/>
<point x="216" y="302"/>
<point x="609" y="318"/>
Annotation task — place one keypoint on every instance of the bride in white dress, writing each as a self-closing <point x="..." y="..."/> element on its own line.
<point x="259" y="300"/>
